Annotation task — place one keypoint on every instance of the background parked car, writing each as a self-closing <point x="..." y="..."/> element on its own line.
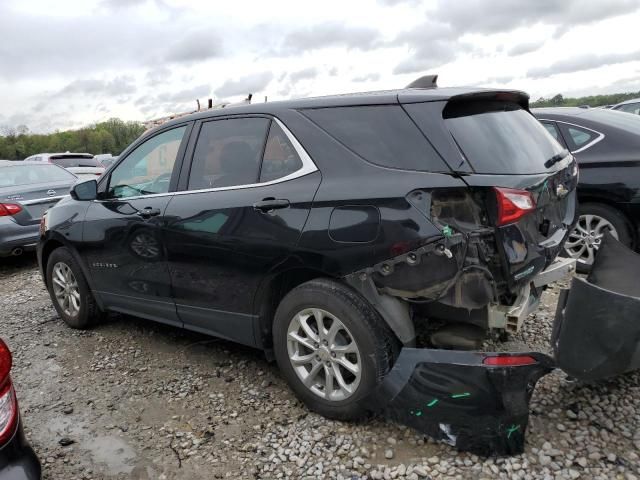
<point x="27" y="190"/>
<point x="82" y="165"/>
<point x="106" y="159"/>
<point x="629" y="106"/>
<point x="17" y="459"/>
<point x="606" y="144"/>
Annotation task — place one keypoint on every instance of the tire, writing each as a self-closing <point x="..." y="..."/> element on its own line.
<point x="594" y="219"/>
<point x="375" y="344"/>
<point x="87" y="312"/>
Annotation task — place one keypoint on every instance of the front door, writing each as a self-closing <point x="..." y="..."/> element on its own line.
<point x="122" y="235"/>
<point x="249" y="193"/>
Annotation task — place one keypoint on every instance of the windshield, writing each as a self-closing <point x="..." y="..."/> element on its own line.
<point x="500" y="137"/>
<point x="27" y="174"/>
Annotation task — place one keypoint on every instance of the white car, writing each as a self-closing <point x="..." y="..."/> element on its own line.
<point x="82" y="165"/>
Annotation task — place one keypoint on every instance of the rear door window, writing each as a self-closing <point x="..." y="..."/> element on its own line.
<point x="577" y="137"/>
<point x="381" y="134"/>
<point x="228" y="153"/>
<point x="280" y="158"/>
<point x="500" y="137"/>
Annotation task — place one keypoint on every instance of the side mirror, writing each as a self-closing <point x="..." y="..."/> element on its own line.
<point x="85" y="190"/>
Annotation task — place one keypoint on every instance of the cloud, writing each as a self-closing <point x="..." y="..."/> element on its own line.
<point x="303" y="74"/>
<point x="493" y="16"/>
<point x="122" y="85"/>
<point x="523" y="48"/>
<point x="431" y="45"/>
<point x="244" y="85"/>
<point x="582" y="62"/>
<point x="184" y="96"/>
<point x="158" y="75"/>
<point x="196" y="46"/>
<point x="329" y="34"/>
<point x="370" y="77"/>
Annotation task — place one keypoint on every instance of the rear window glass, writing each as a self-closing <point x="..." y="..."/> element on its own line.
<point x="500" y="137"/>
<point x="15" y="175"/>
<point x="382" y="134"/>
<point x="69" y="161"/>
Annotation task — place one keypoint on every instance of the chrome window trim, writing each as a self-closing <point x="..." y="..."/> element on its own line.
<point x="308" y="166"/>
<point x="600" y="135"/>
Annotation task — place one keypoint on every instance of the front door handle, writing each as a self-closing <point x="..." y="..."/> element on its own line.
<point x="148" y="212"/>
<point x="269" y="204"/>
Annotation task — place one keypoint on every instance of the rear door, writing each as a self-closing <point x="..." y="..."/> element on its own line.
<point x="498" y="143"/>
<point x="246" y="197"/>
<point x="122" y="237"/>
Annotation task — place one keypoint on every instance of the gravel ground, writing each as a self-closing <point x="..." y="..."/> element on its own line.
<point x="133" y="399"/>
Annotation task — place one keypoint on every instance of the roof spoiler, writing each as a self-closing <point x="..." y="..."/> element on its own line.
<point x="426" y="81"/>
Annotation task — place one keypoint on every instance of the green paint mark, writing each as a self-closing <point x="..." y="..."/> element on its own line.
<point x="447" y="231"/>
<point x="511" y="429"/>
<point x="461" y="395"/>
<point x="432" y="402"/>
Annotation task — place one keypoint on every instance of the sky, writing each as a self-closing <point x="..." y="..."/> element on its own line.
<point x="70" y="63"/>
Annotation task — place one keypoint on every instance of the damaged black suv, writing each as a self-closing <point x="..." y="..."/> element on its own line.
<point x="335" y="233"/>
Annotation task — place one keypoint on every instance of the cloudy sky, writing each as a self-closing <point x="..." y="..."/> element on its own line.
<point x="68" y="63"/>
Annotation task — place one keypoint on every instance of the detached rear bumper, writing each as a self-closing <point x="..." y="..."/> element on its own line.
<point x="464" y="399"/>
<point x="456" y="397"/>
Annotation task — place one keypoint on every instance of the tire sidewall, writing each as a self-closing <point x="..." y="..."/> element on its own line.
<point x="351" y="317"/>
<point x="81" y="320"/>
<point x="613" y="216"/>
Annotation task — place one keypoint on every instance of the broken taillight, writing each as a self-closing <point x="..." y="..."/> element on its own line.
<point x="513" y="204"/>
<point x="9" y="209"/>
<point x="8" y="402"/>
<point x="509" y="361"/>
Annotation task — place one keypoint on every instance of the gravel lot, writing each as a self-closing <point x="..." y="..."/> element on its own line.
<point x="132" y="399"/>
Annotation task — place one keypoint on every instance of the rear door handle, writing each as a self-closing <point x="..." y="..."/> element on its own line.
<point x="269" y="204"/>
<point x="148" y="212"/>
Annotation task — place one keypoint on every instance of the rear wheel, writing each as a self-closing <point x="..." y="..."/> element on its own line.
<point x="595" y="220"/>
<point x="332" y="347"/>
<point x="69" y="290"/>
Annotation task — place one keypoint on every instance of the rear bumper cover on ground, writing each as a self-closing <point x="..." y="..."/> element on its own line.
<point x="455" y="396"/>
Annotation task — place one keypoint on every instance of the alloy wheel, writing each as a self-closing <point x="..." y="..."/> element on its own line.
<point x="324" y="354"/>
<point x="65" y="289"/>
<point x="584" y="241"/>
<point x="145" y="245"/>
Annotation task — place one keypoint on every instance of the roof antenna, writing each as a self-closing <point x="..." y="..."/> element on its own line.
<point x="426" y="81"/>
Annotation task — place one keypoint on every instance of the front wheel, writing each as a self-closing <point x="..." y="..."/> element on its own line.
<point x="332" y="347"/>
<point x="69" y="290"/>
<point x="594" y="221"/>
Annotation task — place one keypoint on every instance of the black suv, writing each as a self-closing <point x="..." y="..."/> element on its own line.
<point x="331" y="232"/>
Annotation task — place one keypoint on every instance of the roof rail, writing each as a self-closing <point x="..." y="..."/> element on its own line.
<point x="426" y="81"/>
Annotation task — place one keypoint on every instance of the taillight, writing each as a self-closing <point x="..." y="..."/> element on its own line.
<point x="8" y="209"/>
<point x="8" y="402"/>
<point x="509" y="361"/>
<point x="513" y="204"/>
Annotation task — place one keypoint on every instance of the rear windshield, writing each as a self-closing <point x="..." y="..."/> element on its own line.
<point x="71" y="161"/>
<point x="500" y="137"/>
<point x="381" y="134"/>
<point x="15" y="175"/>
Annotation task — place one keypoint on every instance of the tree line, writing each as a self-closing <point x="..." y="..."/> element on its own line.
<point x="112" y="136"/>
<point x="592" y="100"/>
